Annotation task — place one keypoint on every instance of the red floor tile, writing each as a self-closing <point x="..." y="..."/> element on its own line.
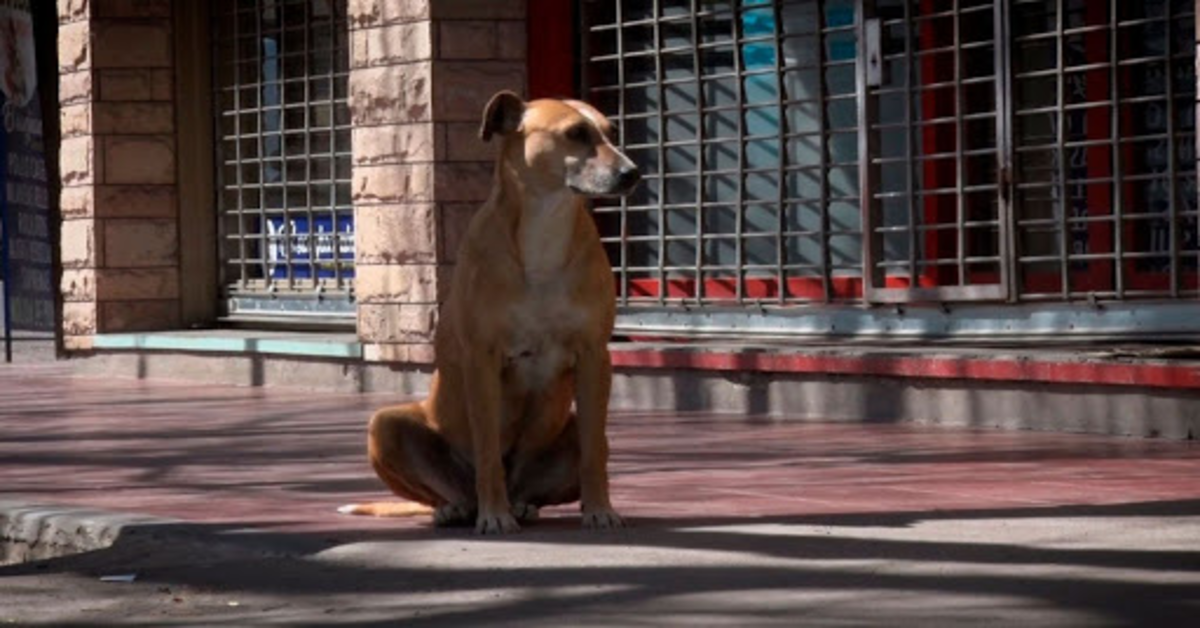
<point x="287" y="458"/>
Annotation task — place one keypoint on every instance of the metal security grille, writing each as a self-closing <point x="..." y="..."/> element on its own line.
<point x="286" y="221"/>
<point x="1104" y="99"/>
<point x="743" y="118"/>
<point x="925" y="152"/>
<point x="931" y="110"/>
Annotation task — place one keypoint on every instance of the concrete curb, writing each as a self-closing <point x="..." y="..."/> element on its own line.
<point x="31" y="531"/>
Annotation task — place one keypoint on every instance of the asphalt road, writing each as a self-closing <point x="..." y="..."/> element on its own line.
<point x="1098" y="566"/>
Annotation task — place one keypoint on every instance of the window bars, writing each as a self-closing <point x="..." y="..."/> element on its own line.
<point x="742" y="116"/>
<point x="1016" y="150"/>
<point x="936" y="203"/>
<point x="1105" y="148"/>
<point x="281" y="72"/>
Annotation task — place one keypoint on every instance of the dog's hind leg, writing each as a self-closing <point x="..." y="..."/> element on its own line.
<point x="417" y="463"/>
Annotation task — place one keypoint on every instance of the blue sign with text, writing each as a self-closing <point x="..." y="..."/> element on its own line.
<point x="296" y="242"/>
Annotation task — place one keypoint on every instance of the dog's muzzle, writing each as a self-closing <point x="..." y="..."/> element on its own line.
<point x="606" y="182"/>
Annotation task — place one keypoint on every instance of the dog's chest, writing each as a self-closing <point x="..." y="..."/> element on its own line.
<point x="541" y="326"/>
<point x="545" y="234"/>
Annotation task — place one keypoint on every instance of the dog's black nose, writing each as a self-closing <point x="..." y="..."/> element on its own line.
<point x="628" y="177"/>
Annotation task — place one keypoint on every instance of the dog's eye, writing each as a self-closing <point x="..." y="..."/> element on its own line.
<point x="579" y="133"/>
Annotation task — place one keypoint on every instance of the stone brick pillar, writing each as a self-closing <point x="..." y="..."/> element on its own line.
<point x="120" y="235"/>
<point x="421" y="73"/>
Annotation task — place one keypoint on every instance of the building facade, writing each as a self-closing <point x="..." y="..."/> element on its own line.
<point x="279" y="163"/>
<point x="979" y="166"/>
<point x="897" y="169"/>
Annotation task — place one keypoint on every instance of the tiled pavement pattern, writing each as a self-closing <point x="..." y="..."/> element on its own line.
<point x="285" y="459"/>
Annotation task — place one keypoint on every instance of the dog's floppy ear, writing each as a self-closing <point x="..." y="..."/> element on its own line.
<point x="502" y="115"/>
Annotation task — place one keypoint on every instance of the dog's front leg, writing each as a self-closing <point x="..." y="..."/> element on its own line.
<point x="482" y="379"/>
<point x="593" y="383"/>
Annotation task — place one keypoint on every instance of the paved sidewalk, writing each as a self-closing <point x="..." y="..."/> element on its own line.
<point x="737" y="521"/>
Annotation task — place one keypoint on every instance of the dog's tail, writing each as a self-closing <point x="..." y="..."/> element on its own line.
<point x="386" y="509"/>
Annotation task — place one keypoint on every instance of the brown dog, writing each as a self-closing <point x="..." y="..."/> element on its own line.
<point x="523" y="334"/>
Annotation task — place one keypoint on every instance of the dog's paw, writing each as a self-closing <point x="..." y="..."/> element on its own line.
<point x="606" y="519"/>
<point x="453" y="515"/>
<point x="525" y="513"/>
<point x="503" y="523"/>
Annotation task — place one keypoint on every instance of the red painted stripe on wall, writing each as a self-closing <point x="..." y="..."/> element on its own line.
<point x="1047" y="371"/>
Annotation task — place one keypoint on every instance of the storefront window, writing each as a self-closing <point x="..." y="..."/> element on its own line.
<point x="283" y="142"/>
<point x="1031" y="149"/>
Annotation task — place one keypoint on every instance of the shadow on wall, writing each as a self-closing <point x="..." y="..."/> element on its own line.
<point x="754" y="396"/>
<point x="1111" y="410"/>
<point x="263" y="370"/>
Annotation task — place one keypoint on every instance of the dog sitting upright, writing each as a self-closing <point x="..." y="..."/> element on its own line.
<point x="523" y="335"/>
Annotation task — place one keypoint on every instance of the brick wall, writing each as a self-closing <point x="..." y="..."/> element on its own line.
<point x="421" y="73"/>
<point x="120" y="224"/>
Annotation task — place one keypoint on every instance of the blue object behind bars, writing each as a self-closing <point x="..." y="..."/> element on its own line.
<point x="769" y="30"/>
<point x="761" y="120"/>
<point x="301" y="239"/>
<point x="758" y="23"/>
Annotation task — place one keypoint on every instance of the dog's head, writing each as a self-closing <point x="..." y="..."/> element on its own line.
<point x="560" y="143"/>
